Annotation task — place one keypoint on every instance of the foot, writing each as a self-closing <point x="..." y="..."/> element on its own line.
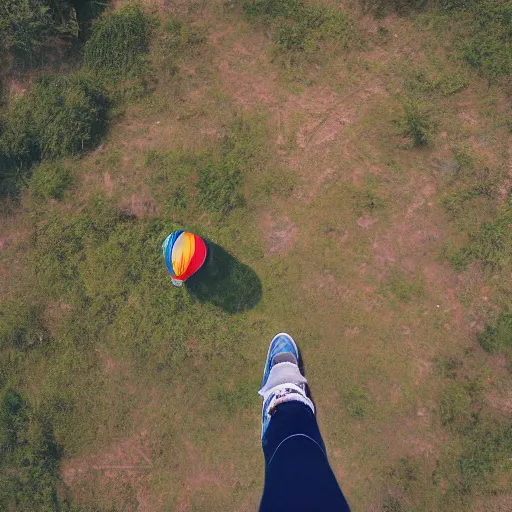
<point x="282" y="380"/>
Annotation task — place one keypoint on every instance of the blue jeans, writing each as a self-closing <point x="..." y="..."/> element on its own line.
<point x="298" y="477"/>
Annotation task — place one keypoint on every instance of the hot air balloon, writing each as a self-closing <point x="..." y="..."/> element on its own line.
<point x="184" y="255"/>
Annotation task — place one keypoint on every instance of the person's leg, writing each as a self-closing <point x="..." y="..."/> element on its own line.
<point x="297" y="473"/>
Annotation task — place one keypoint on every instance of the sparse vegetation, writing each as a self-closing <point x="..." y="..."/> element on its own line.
<point x="299" y="26"/>
<point x="113" y="383"/>
<point x="417" y="123"/>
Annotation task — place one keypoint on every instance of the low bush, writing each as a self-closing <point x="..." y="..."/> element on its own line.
<point x="29" y="28"/>
<point x="498" y="336"/>
<point x="61" y="116"/>
<point x="417" y="123"/>
<point x="69" y="113"/>
<point x="118" y="41"/>
<point x="25" y="27"/>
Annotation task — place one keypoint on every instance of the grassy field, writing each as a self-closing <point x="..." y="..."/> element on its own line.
<point x="352" y="167"/>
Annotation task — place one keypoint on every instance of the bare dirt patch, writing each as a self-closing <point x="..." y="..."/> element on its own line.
<point x="109" y="184"/>
<point x="315" y="184"/>
<point x="142" y="206"/>
<point x="366" y="221"/>
<point x="280" y="234"/>
<point x="244" y="68"/>
<point x="202" y="477"/>
<point x="120" y="472"/>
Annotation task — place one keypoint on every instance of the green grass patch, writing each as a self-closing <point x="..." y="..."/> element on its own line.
<point x="357" y="401"/>
<point x="455" y="406"/>
<point x="118" y="41"/>
<point x="50" y="180"/>
<point x="487" y="44"/>
<point x="491" y="244"/>
<point x="298" y="26"/>
<point x="497" y="337"/>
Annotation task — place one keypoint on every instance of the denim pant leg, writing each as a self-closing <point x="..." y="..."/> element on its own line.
<point x="297" y="473"/>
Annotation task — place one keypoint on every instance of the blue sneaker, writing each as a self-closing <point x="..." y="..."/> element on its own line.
<point x="282" y="344"/>
<point x="282" y="380"/>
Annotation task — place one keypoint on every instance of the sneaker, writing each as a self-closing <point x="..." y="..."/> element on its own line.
<point x="282" y="380"/>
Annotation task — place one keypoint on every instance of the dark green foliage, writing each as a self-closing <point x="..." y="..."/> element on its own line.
<point x="13" y="422"/>
<point x="298" y="26"/>
<point x="417" y="122"/>
<point x="498" y="337"/>
<point x="492" y="243"/>
<point x="488" y="45"/>
<point x="25" y="27"/>
<point x="69" y="113"/>
<point x="118" y="41"/>
<point x="50" y="180"/>
<point x="21" y="325"/>
<point x="29" y="457"/>
<point x="29" y="28"/>
<point x="19" y="144"/>
<point x="61" y="116"/>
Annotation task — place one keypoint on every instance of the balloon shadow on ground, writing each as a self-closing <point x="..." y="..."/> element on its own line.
<point x="225" y="282"/>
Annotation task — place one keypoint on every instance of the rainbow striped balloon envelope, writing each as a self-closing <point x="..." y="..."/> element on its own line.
<point x="184" y="255"/>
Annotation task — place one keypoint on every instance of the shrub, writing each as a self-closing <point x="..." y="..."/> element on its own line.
<point x="61" y="116"/>
<point x="25" y="27"/>
<point x="19" y="144"/>
<point x="497" y="337"/>
<point x="417" y="122"/>
<point x="50" y="180"/>
<point x="70" y="114"/>
<point x="118" y="40"/>
<point x="28" y="27"/>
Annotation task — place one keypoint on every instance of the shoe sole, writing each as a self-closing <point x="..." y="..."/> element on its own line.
<point x="270" y="346"/>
